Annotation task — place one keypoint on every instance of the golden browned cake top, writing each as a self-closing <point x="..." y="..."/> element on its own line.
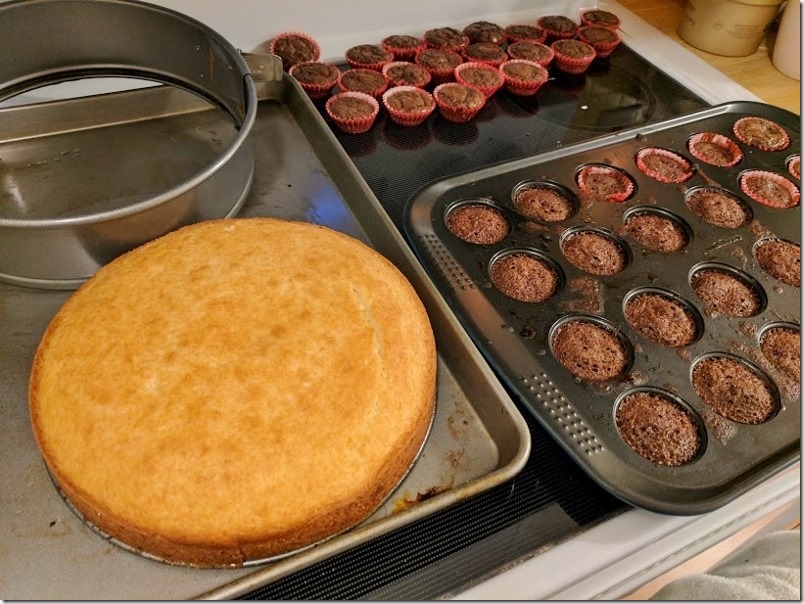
<point x="235" y="390"/>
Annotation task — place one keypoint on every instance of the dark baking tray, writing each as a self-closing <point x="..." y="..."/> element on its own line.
<point x="514" y="335"/>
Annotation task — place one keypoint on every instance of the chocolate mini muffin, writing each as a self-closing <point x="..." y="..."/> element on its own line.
<point x="521" y="32"/>
<point x="458" y="102"/>
<point x="531" y="51"/>
<point x="485" y="52"/>
<point x="780" y="259"/>
<point x="478" y="223"/>
<point x="486" y="78"/>
<point x="366" y="81"/>
<point x="658" y="429"/>
<point x="524" y="277"/>
<point x="483" y="31"/>
<point x="600" y="18"/>
<point x="723" y="292"/>
<point x="602" y="39"/>
<point x="523" y="78"/>
<point x="352" y="112"/>
<point x="661" y="319"/>
<point x="572" y="56"/>
<point x="794" y="166"/>
<point x="770" y="189"/>
<point x="718" y="207"/>
<point x="761" y="133"/>
<point x="663" y="165"/>
<point x="657" y="232"/>
<point x="403" y="47"/>
<point x="401" y="73"/>
<point x="294" y="48"/>
<point x="446" y="38"/>
<point x="605" y="183"/>
<point x="782" y="348"/>
<point x="589" y="351"/>
<point x="714" y="149"/>
<point x="733" y="390"/>
<point x="557" y="27"/>
<point x="368" y="56"/>
<point x="543" y="202"/>
<point x="594" y="253"/>
<point x="317" y="79"/>
<point x="440" y="63"/>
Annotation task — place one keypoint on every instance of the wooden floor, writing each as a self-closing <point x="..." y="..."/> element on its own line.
<point x="709" y="558"/>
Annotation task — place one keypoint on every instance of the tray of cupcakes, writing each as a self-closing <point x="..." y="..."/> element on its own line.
<point x="446" y="70"/>
<point x="640" y="295"/>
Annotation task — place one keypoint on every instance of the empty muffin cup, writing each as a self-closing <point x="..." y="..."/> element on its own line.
<point x="727" y="290"/>
<point x="525" y="275"/>
<point x="478" y="222"/>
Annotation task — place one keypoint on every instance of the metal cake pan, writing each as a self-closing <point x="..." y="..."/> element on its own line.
<point x="72" y="201"/>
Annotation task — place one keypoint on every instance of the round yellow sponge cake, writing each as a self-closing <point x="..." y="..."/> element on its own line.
<point x="235" y="390"/>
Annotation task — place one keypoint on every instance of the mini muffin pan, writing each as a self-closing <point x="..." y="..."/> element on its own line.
<point x="517" y="337"/>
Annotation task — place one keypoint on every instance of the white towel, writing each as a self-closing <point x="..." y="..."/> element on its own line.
<point x="768" y="568"/>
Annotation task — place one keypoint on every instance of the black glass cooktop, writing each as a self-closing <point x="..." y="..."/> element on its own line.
<point x="552" y="498"/>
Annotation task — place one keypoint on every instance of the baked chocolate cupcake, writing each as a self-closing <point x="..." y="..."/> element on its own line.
<point x="761" y="133"/>
<point x="403" y="47"/>
<point x="531" y="51"/>
<point x="440" y="63"/>
<point x="600" y="18"/>
<point x="523" y="78"/>
<point x="486" y="78"/>
<point x="714" y="149"/>
<point x="544" y="202"/>
<point x="780" y="259"/>
<point x="657" y="232"/>
<point x="402" y="73"/>
<point x="293" y="48"/>
<point x="605" y="183"/>
<point x="485" y="52"/>
<point x="658" y="428"/>
<point x="724" y="292"/>
<point x="557" y="27"/>
<point x="770" y="189"/>
<point x="478" y="223"/>
<point x="662" y="319"/>
<point x="594" y="252"/>
<point x="794" y="166"/>
<point x="368" y="56"/>
<point x="733" y="389"/>
<point x="663" y="165"/>
<point x="367" y="81"/>
<point x="446" y="38"/>
<point x="353" y="112"/>
<point x="457" y="102"/>
<point x="525" y="277"/>
<point x="408" y="105"/>
<point x="484" y="31"/>
<point x="589" y="351"/>
<point x="602" y="39"/>
<point x="317" y="79"/>
<point x="782" y="348"/>
<point x="572" y="56"/>
<point x="522" y="32"/>
<point x="718" y="207"/>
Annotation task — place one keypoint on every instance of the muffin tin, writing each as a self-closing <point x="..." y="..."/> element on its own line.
<point x="517" y="337"/>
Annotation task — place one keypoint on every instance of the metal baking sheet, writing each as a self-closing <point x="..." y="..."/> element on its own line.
<point x="478" y="438"/>
<point x="514" y="335"/>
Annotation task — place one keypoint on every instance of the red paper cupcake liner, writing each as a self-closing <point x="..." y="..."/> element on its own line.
<point x="512" y="38"/>
<point x="403" y="54"/>
<point x="441" y="76"/>
<point x="376" y="93"/>
<point x="675" y="157"/>
<point x="572" y="65"/>
<point x="586" y="21"/>
<point x="316" y="92"/>
<point x="723" y="142"/>
<point x="794" y="166"/>
<point x="461" y="47"/>
<point x="553" y="35"/>
<point x="353" y="125"/>
<point x="625" y="181"/>
<point x="488" y="91"/>
<point x="545" y="62"/>
<point x="294" y="34"/>
<point x="521" y="87"/>
<point x="392" y="83"/>
<point x="602" y="49"/>
<point x="760" y="184"/>
<point x="373" y="66"/>
<point x="407" y="118"/>
<point x="783" y="144"/>
<point x="490" y="62"/>
<point x="455" y="114"/>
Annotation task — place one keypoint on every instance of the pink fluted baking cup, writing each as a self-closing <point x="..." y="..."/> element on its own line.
<point x="570" y="64"/>
<point x="663" y="165"/>
<point x="453" y="113"/>
<point x="408" y="118"/>
<point x="715" y="149"/>
<point x="523" y="86"/>
<point x="605" y="183"/>
<point x="770" y="189"/>
<point x="487" y="89"/>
